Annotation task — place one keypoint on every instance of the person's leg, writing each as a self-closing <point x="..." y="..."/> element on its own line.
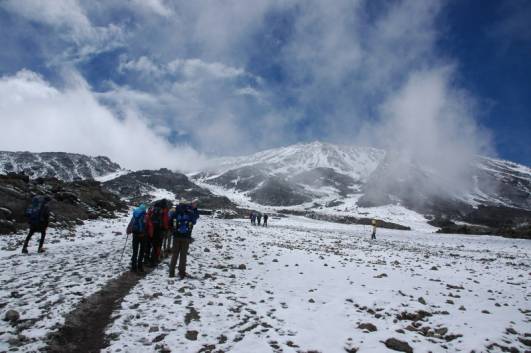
<point x="140" y="264"/>
<point x="174" y="256"/>
<point x="185" y="243"/>
<point x="28" y="237"/>
<point x="41" y="241"/>
<point x="134" y="257"/>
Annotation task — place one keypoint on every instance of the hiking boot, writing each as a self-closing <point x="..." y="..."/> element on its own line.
<point x="182" y="275"/>
<point x="41" y="250"/>
<point x="140" y="269"/>
<point x="172" y="274"/>
<point x="24" y="250"/>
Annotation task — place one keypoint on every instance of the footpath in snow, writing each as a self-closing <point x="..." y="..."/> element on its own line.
<point x="298" y="286"/>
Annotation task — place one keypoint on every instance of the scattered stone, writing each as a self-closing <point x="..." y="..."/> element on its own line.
<point x="242" y="267"/>
<point x="191" y="335"/>
<point x="12" y="316"/>
<point x="397" y="345"/>
<point x="422" y="301"/>
<point x="368" y="326"/>
<point x="381" y="275"/>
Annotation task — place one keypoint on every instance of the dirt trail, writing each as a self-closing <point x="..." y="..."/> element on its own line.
<point x="84" y="327"/>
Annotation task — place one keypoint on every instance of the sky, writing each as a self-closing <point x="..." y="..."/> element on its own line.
<point x="153" y="83"/>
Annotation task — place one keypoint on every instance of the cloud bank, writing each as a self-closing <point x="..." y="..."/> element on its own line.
<point x="235" y="77"/>
<point x="38" y="115"/>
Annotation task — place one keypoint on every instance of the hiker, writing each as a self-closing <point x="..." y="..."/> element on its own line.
<point x="259" y="218"/>
<point x="137" y="226"/>
<point x="38" y="218"/>
<point x="182" y="222"/>
<point x="265" y="219"/>
<point x="374" y="225"/>
<point x="157" y="225"/>
<point x="253" y="218"/>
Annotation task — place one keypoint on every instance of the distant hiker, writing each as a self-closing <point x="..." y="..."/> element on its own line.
<point x="374" y="225"/>
<point x="182" y="223"/>
<point x="253" y="218"/>
<point x="137" y="226"/>
<point x="38" y="218"/>
<point x="259" y="218"/>
<point x="265" y="219"/>
<point x="157" y="225"/>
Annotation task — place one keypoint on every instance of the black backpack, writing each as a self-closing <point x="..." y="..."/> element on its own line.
<point x="157" y="216"/>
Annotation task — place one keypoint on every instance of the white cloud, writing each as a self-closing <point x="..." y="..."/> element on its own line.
<point x="38" y="117"/>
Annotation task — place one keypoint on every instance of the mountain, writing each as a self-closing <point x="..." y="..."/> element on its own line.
<point x="327" y="178"/>
<point x="60" y="165"/>
<point x="144" y="185"/>
<point x="296" y="174"/>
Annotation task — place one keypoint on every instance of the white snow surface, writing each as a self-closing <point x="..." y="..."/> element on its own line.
<point x="309" y="284"/>
<point x="357" y="162"/>
<point x="306" y="286"/>
<point x="45" y="287"/>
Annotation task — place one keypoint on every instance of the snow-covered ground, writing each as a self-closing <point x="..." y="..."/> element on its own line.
<point x="44" y="287"/>
<point x="298" y="286"/>
<point x="308" y="285"/>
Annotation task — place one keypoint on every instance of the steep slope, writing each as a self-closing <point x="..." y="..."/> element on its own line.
<point x="60" y="165"/>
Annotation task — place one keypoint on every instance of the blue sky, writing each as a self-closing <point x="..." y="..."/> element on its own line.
<point x="169" y="83"/>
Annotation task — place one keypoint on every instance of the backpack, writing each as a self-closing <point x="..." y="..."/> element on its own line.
<point x="157" y="217"/>
<point x="34" y="212"/>
<point x="181" y="222"/>
<point x="138" y="224"/>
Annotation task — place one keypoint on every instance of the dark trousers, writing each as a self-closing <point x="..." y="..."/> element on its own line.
<point x="156" y="243"/>
<point x="265" y="222"/>
<point x="139" y="248"/>
<point x="373" y="236"/>
<point x="180" y="252"/>
<point x="32" y="231"/>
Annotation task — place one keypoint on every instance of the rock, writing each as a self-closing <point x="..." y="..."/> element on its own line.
<point x="242" y="267"/>
<point x="12" y="316"/>
<point x="381" y="275"/>
<point x="397" y="345"/>
<point x="191" y="335"/>
<point x="154" y="329"/>
<point x="368" y="326"/>
<point x="422" y="301"/>
<point x="206" y="250"/>
<point x="525" y="341"/>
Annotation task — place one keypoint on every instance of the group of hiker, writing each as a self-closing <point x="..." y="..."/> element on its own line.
<point x="160" y="230"/>
<point x="256" y="218"/>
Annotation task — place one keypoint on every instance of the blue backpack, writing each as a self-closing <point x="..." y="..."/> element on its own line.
<point x="181" y="222"/>
<point x="138" y="225"/>
<point x="34" y="212"/>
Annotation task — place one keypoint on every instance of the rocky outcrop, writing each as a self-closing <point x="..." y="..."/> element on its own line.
<point x="72" y="202"/>
<point x="138" y="187"/>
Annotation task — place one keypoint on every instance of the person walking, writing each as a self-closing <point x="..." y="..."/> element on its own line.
<point x="157" y="225"/>
<point x="38" y="218"/>
<point x="182" y="222"/>
<point x="374" y="225"/>
<point x="265" y="219"/>
<point x="137" y="226"/>
<point x="259" y="218"/>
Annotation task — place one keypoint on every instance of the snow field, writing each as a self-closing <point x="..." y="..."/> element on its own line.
<point x="45" y="287"/>
<point x="307" y="286"/>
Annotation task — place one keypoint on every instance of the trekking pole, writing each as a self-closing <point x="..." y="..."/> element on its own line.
<point x="121" y="257"/>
